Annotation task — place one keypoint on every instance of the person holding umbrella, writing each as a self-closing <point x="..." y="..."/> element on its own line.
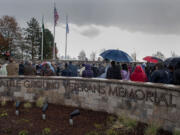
<point x="113" y="72"/>
<point x="159" y="75"/>
<point x="177" y="74"/>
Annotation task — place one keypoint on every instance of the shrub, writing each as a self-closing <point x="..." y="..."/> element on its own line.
<point x="7" y="130"/>
<point x="111" y="132"/>
<point x="23" y="132"/>
<point x="92" y="133"/>
<point x="98" y="126"/>
<point x="46" y="131"/>
<point x="111" y="120"/>
<point x="3" y="114"/>
<point x="27" y="105"/>
<point x="40" y="102"/>
<point x="152" y="129"/>
<point x="129" y="123"/>
<point x="3" y="102"/>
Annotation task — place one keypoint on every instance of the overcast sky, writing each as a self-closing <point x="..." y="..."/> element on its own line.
<point x="144" y="26"/>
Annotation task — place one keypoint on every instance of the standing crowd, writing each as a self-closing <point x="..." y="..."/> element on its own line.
<point x="146" y="72"/>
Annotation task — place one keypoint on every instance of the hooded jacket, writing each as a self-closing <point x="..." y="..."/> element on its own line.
<point x="87" y="72"/>
<point x="138" y="75"/>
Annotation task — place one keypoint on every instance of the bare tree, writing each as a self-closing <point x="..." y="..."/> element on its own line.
<point x="10" y="31"/>
<point x="93" y="56"/>
<point x="82" y="55"/>
<point x="102" y="50"/>
<point x="134" y="56"/>
<point x="159" y="54"/>
<point x="173" y="54"/>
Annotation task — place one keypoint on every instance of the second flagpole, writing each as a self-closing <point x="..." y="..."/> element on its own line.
<point x="66" y="39"/>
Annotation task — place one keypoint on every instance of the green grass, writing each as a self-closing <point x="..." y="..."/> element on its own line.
<point x="176" y="132"/>
<point x="152" y="129"/>
<point x="129" y="123"/>
<point x="23" y="132"/>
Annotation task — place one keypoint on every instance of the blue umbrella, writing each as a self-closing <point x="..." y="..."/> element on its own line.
<point x="116" y="55"/>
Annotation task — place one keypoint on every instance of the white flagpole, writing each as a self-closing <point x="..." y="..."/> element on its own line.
<point x="66" y="38"/>
<point x="42" y="38"/>
<point x="54" y="35"/>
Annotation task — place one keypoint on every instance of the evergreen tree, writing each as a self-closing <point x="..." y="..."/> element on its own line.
<point x="33" y="37"/>
<point x="48" y="44"/>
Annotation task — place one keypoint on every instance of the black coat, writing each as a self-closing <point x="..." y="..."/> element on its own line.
<point x="177" y="76"/>
<point x="159" y="76"/>
<point x="114" y="73"/>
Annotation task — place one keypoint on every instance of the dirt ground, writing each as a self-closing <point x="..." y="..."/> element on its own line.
<point x="57" y="121"/>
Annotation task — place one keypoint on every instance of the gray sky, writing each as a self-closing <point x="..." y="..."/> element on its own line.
<point x="144" y="26"/>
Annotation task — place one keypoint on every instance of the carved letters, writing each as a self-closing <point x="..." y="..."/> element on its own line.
<point x="156" y="97"/>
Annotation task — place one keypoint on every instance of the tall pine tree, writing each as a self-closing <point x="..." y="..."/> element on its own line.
<point x="33" y="37"/>
<point x="48" y="44"/>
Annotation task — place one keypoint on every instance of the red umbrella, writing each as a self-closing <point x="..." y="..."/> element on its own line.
<point x="152" y="59"/>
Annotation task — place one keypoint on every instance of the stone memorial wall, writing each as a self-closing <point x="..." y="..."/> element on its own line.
<point x="146" y="102"/>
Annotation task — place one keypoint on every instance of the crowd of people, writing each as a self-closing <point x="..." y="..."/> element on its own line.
<point x="146" y="72"/>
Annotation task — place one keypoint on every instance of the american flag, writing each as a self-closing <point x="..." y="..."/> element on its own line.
<point x="67" y="26"/>
<point x="56" y="16"/>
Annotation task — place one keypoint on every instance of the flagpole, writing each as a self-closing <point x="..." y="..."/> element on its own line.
<point x="54" y="34"/>
<point x="66" y="38"/>
<point x="54" y="44"/>
<point x="42" y="38"/>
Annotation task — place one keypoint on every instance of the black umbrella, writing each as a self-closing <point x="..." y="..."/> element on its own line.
<point x="172" y="61"/>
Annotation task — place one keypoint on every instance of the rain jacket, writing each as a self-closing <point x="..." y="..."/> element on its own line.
<point x="66" y="72"/>
<point x="3" y="70"/>
<point x="125" y="75"/>
<point x="159" y="76"/>
<point x="87" y="72"/>
<point x="73" y="69"/>
<point x="12" y="69"/>
<point x="138" y="75"/>
<point x="177" y="77"/>
<point x="21" y="69"/>
<point x="29" y="70"/>
<point x="114" y="73"/>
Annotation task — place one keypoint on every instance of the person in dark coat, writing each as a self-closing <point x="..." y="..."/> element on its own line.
<point x="66" y="71"/>
<point x="159" y="75"/>
<point x="177" y="74"/>
<point x="95" y="70"/>
<point x="170" y="71"/>
<point x="29" y="69"/>
<point x="21" y="68"/>
<point x="88" y="72"/>
<point x="73" y="69"/>
<point x="113" y="72"/>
